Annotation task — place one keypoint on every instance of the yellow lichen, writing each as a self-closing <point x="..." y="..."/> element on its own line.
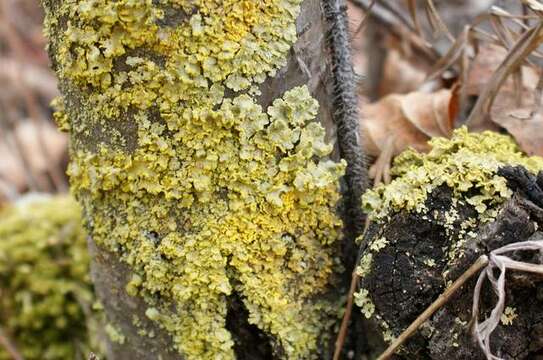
<point x="363" y="301"/>
<point x="388" y="336"/>
<point x="429" y="262"/>
<point x="45" y="290"/>
<point x="466" y="163"/>
<point x="114" y="333"/>
<point x="365" y="264"/>
<point x="509" y="314"/>
<point x="215" y="195"/>
<point x="378" y="244"/>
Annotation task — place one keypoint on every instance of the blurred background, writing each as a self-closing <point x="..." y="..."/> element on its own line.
<point x="33" y="154"/>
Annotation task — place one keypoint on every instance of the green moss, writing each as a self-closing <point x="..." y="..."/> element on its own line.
<point x="45" y="290"/>
<point x="217" y="195"/>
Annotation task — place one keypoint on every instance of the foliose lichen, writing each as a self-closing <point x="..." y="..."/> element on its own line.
<point x="467" y="164"/>
<point x="45" y="291"/>
<point x="184" y="175"/>
<point x="508" y="316"/>
<point x="363" y="301"/>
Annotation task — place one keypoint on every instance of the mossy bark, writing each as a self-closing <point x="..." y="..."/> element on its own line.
<point x="309" y="62"/>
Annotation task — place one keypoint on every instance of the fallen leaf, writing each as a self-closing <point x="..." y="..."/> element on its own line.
<point x="432" y="114"/>
<point x="356" y="18"/>
<point x="526" y="43"/>
<point x="485" y="63"/>
<point x="514" y="113"/>
<point x="14" y="174"/>
<point x="525" y="126"/>
<point x="397" y="122"/>
<point x="401" y="75"/>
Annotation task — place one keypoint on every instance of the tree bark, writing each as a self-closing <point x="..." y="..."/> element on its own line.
<point x="319" y="58"/>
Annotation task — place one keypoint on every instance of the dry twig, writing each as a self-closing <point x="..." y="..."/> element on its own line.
<point x="436" y="305"/>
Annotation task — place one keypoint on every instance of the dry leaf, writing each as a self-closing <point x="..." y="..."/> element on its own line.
<point x="485" y="63"/>
<point x="519" y="119"/>
<point x="525" y="125"/>
<point x="396" y="122"/>
<point x="355" y="17"/>
<point x="516" y="56"/>
<point x="14" y="174"/>
<point x="400" y="74"/>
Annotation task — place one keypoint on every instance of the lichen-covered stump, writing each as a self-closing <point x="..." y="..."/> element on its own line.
<point x="442" y="212"/>
<point x="202" y="137"/>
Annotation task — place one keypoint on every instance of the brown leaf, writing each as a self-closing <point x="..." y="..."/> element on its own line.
<point x="411" y="119"/>
<point x="13" y="172"/>
<point x="432" y="114"/>
<point x="356" y="18"/>
<point x="524" y="45"/>
<point x="397" y="122"/>
<point x="526" y="126"/>
<point x="401" y="74"/>
<point x="487" y="60"/>
<point x="519" y="119"/>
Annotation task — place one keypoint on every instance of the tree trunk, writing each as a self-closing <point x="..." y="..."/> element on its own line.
<point x="212" y="208"/>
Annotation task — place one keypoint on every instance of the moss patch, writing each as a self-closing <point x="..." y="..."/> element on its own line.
<point x="45" y="290"/>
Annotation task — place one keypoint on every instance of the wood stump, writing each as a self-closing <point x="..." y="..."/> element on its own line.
<point x="416" y="255"/>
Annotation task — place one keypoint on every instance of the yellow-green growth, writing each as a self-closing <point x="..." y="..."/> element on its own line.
<point x="467" y="163"/>
<point x="45" y="288"/>
<point x="210" y="194"/>
<point x="363" y="301"/>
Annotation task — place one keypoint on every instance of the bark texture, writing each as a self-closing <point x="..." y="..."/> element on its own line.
<point x="110" y="277"/>
<point x="319" y="58"/>
<point x="402" y="282"/>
